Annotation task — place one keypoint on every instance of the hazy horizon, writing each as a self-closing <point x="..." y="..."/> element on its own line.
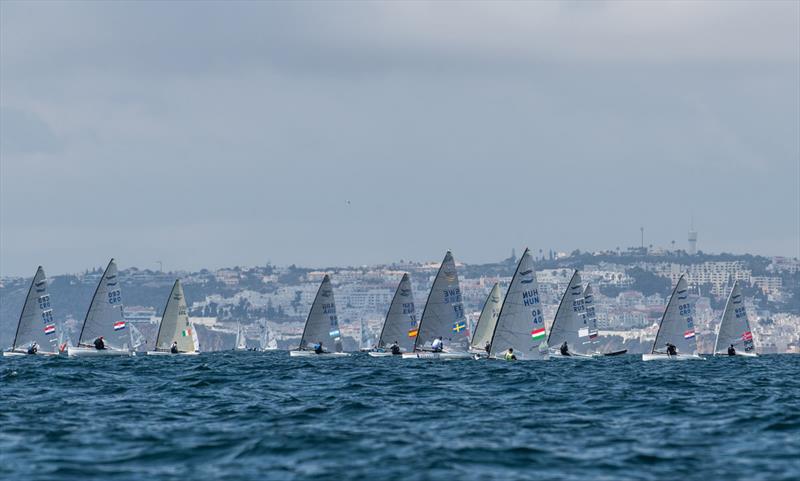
<point x="322" y="134"/>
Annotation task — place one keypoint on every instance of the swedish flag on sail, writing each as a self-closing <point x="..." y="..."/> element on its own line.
<point x="459" y="326"/>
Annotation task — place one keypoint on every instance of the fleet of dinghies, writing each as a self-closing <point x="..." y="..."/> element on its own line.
<point x="510" y="327"/>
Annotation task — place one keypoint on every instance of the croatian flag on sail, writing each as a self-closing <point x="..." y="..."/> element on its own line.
<point x="119" y="325"/>
<point x="50" y="329"/>
<point x="688" y="334"/>
<point x="747" y="336"/>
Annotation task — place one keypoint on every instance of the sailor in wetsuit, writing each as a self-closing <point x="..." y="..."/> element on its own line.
<point x="672" y="350"/>
<point x="174" y="347"/>
<point x="99" y="344"/>
<point x="318" y="348"/>
<point x="731" y="350"/>
<point x="488" y="348"/>
<point x="564" y="349"/>
<point x="395" y="349"/>
<point x="33" y="348"/>
<point x="509" y="355"/>
<point x="437" y="345"/>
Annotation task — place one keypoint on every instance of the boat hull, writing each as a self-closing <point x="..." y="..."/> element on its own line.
<point x="164" y="353"/>
<point x="92" y="352"/>
<point x="740" y="354"/>
<point x="21" y="353"/>
<point x="571" y="357"/>
<point x="437" y="355"/>
<point x="667" y="357"/>
<point x="616" y="353"/>
<point x="315" y="355"/>
<point x="381" y="354"/>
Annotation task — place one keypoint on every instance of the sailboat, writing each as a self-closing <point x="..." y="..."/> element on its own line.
<point x="520" y="324"/>
<point x="734" y="328"/>
<point x="322" y="326"/>
<point x="570" y="324"/>
<point x="482" y="335"/>
<point x="241" y="340"/>
<point x="676" y="328"/>
<point x="443" y="316"/>
<point x="36" y="325"/>
<point x="105" y="319"/>
<point x="268" y="341"/>
<point x="364" y="342"/>
<point x="175" y="326"/>
<point x="400" y="325"/>
<point x="591" y="321"/>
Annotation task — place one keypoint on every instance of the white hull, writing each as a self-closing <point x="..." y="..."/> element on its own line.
<point x="437" y="355"/>
<point x="742" y="354"/>
<point x="165" y="353"/>
<point x="572" y="356"/>
<point x="667" y="357"/>
<point x="20" y="353"/>
<point x="92" y="352"/>
<point x="381" y="354"/>
<point x="314" y="354"/>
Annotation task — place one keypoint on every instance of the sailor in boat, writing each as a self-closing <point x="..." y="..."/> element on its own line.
<point x="99" y="343"/>
<point x="564" y="349"/>
<point x="174" y="347"/>
<point x="395" y="349"/>
<point x="671" y="349"/>
<point x="318" y="348"/>
<point x="731" y="350"/>
<point x="33" y="348"/>
<point x="488" y="348"/>
<point x="509" y="355"/>
<point x="437" y="345"/>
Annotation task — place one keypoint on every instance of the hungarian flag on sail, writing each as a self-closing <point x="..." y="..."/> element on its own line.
<point x="413" y="333"/>
<point x="537" y="334"/>
<point x="747" y="336"/>
<point x="50" y="329"/>
<point x="459" y="326"/>
<point x="119" y="325"/>
<point x="688" y="334"/>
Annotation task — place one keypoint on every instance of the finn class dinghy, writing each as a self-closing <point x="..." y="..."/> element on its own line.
<point x="482" y="335"/>
<point x="400" y="325"/>
<point x="36" y="326"/>
<point x="241" y="339"/>
<point x="442" y="319"/>
<point x="268" y="341"/>
<point x="676" y="328"/>
<point x="570" y="325"/>
<point x="591" y="321"/>
<point x="519" y="329"/>
<point x="175" y="328"/>
<point x="105" y="321"/>
<point x="322" y="326"/>
<point x="734" y="337"/>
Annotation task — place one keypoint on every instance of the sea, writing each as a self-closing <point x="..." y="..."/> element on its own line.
<point x="260" y="416"/>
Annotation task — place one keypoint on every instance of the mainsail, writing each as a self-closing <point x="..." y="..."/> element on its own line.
<point x="36" y="323"/>
<point x="677" y="325"/>
<point x="570" y="323"/>
<point x="322" y="325"/>
<point x="734" y="329"/>
<point x="241" y="340"/>
<point x="590" y="314"/>
<point x="443" y="315"/>
<point x="520" y="324"/>
<point x="401" y="321"/>
<point x="485" y="327"/>
<point x="105" y="316"/>
<point x="175" y="325"/>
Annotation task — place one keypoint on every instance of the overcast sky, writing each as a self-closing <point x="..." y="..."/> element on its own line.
<point x="209" y="135"/>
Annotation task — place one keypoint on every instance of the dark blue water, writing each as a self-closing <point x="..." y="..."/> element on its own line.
<point x="267" y="416"/>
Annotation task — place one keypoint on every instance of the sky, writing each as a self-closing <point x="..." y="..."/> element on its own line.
<point x="336" y="133"/>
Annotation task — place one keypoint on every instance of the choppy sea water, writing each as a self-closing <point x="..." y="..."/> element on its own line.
<point x="262" y="416"/>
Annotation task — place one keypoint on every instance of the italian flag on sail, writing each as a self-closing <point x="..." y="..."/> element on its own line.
<point x="537" y="334"/>
<point x="186" y="332"/>
<point x="119" y="325"/>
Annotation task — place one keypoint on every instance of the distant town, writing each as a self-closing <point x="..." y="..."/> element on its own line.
<point x="631" y="286"/>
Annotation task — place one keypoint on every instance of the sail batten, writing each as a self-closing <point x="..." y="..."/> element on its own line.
<point x="486" y="322"/>
<point x="105" y="316"/>
<point x="520" y="324"/>
<point x="322" y="324"/>
<point x="677" y="323"/>
<point x="443" y="314"/>
<point x="36" y="322"/>
<point x="401" y="320"/>
<point x="734" y="328"/>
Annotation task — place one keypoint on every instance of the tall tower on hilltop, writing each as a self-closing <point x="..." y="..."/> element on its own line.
<point x="692" y="239"/>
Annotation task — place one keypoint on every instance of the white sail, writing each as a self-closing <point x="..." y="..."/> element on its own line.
<point x="485" y="327"/>
<point x="734" y="329"/>
<point x="322" y="325"/>
<point x="241" y="340"/>
<point x="401" y="324"/>
<point x="589" y="312"/>
<point x="365" y="341"/>
<point x="105" y="315"/>
<point x="443" y="315"/>
<point x="520" y="324"/>
<point x="570" y="324"/>
<point x="677" y="324"/>
<point x="175" y="325"/>
<point x="36" y="323"/>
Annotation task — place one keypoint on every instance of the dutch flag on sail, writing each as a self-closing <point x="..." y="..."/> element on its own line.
<point x="119" y="325"/>
<point x="50" y="329"/>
